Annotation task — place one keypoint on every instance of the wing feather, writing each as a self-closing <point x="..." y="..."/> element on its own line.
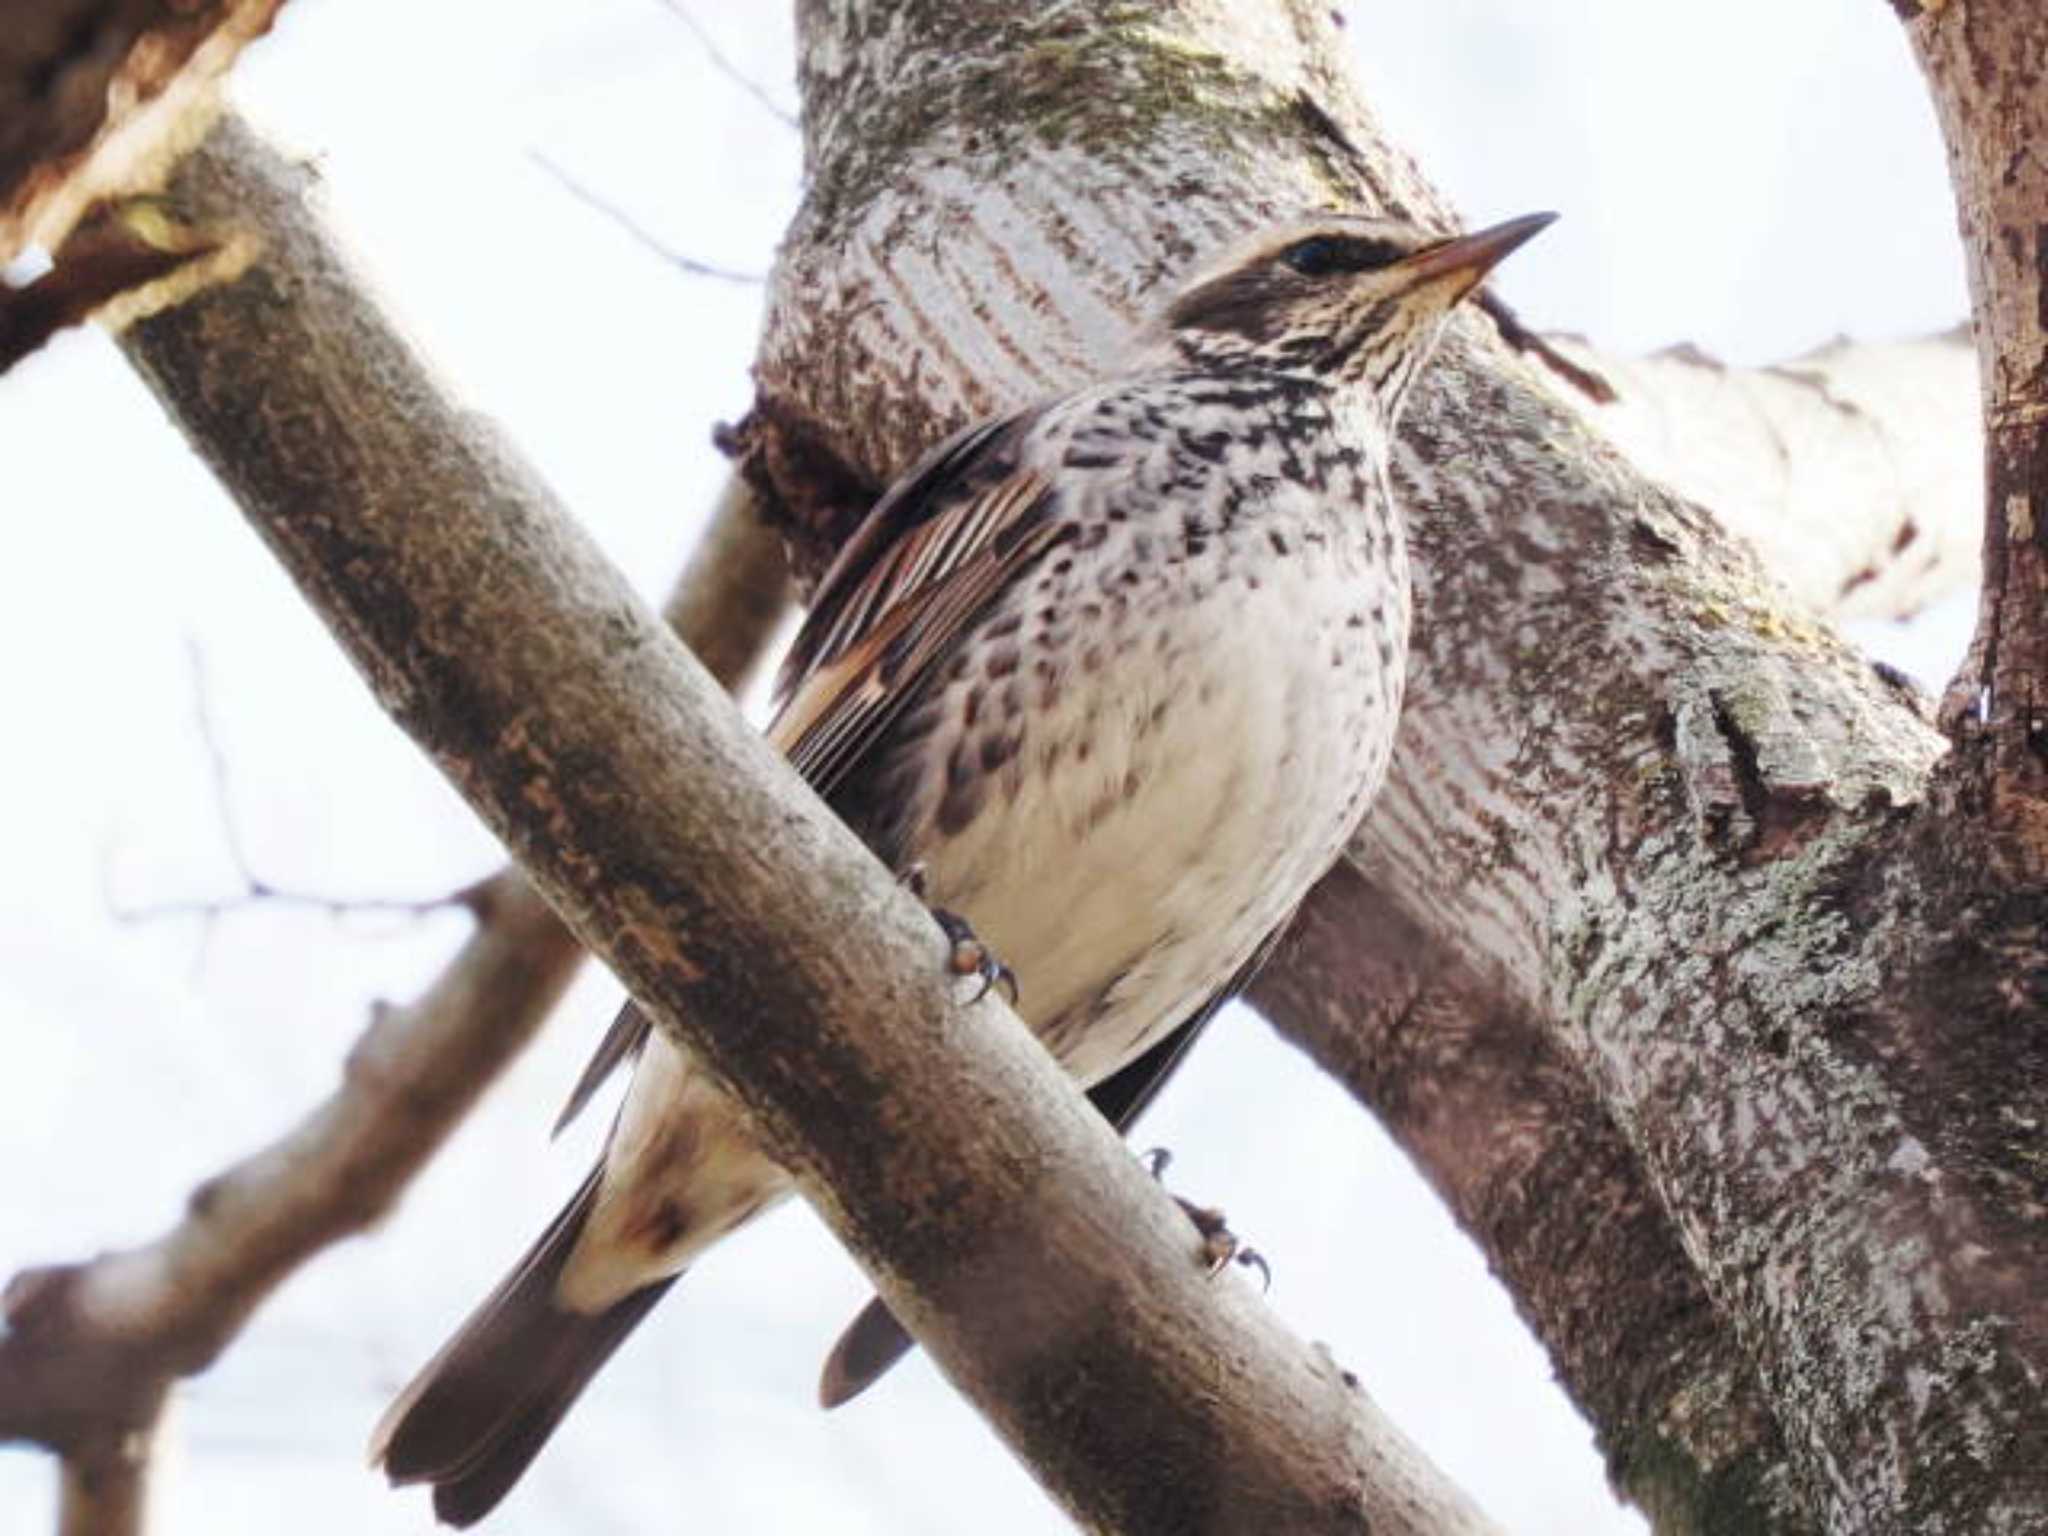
<point x="915" y="518"/>
<point x="930" y="556"/>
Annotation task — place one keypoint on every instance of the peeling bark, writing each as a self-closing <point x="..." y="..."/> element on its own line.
<point x="1642" y="796"/>
<point x="95" y="94"/>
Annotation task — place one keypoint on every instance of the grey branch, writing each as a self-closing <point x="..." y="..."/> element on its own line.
<point x="92" y="1349"/>
<point x="680" y="848"/>
<point x="1644" y="799"/>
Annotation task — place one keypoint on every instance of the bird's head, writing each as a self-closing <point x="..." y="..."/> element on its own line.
<point x="1356" y="302"/>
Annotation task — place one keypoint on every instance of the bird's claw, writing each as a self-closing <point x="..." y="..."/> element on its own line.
<point x="971" y="957"/>
<point x="1220" y="1245"/>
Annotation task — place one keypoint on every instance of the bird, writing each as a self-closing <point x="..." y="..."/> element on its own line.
<point x="1112" y="678"/>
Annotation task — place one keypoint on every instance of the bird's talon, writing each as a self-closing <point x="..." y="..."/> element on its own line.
<point x="971" y="957"/>
<point x="1220" y="1245"/>
<point x="1156" y="1162"/>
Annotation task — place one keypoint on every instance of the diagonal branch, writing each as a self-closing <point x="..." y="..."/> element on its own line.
<point x="92" y="1349"/>
<point x="1072" y="1309"/>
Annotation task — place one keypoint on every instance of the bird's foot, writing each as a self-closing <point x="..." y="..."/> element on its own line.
<point x="971" y="957"/>
<point x="1220" y="1245"/>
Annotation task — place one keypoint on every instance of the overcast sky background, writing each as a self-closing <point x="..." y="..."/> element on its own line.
<point x="1751" y="177"/>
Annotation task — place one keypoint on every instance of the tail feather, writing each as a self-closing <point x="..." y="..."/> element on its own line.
<point x="468" y="1494"/>
<point x="872" y="1343"/>
<point x="479" y="1412"/>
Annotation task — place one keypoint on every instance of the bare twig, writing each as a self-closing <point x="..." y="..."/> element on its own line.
<point x="727" y="68"/>
<point x="638" y="231"/>
<point x="1587" y="381"/>
<point x="256" y="891"/>
<point x="262" y="894"/>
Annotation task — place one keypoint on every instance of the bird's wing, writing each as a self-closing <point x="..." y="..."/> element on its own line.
<point x="871" y="571"/>
<point x="928" y="558"/>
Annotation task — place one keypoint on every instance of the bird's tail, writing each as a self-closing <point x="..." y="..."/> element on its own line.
<point x="481" y="1409"/>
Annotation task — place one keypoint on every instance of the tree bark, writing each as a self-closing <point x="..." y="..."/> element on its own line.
<point x="92" y="1350"/>
<point x="1854" y="469"/>
<point x="1641" y="797"/>
<point x="1987" y="66"/>
<point x="94" y="94"/>
<point x="1048" y="1274"/>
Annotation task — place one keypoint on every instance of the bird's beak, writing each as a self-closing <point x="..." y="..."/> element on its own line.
<point x="1462" y="262"/>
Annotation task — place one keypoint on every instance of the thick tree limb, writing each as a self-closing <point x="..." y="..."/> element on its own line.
<point x="1035" y="1258"/>
<point x="1533" y="1166"/>
<point x="92" y="1350"/>
<point x="1639" y="794"/>
<point x="1984" y="64"/>
<point x="1854" y="469"/>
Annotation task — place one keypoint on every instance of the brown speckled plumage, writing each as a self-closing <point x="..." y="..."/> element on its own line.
<point x="1118" y="674"/>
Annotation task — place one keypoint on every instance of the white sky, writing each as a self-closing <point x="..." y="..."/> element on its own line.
<point x="1753" y="177"/>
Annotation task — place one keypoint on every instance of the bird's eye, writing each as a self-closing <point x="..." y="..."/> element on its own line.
<point x="1323" y="255"/>
<point x="1317" y="256"/>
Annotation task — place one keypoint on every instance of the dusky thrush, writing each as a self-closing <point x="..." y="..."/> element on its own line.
<point x="1117" y="674"/>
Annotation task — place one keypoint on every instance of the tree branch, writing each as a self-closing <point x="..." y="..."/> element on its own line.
<point x="1639" y="794"/>
<point x="1048" y="1274"/>
<point x="1853" y="469"/>
<point x="94" y="92"/>
<point x="1983" y="64"/>
<point x="93" y="1349"/>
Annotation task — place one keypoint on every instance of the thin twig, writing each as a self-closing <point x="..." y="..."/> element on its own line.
<point x="256" y="891"/>
<point x="638" y="231"/>
<point x="1518" y="336"/>
<point x="727" y="68"/>
<point x="260" y="893"/>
